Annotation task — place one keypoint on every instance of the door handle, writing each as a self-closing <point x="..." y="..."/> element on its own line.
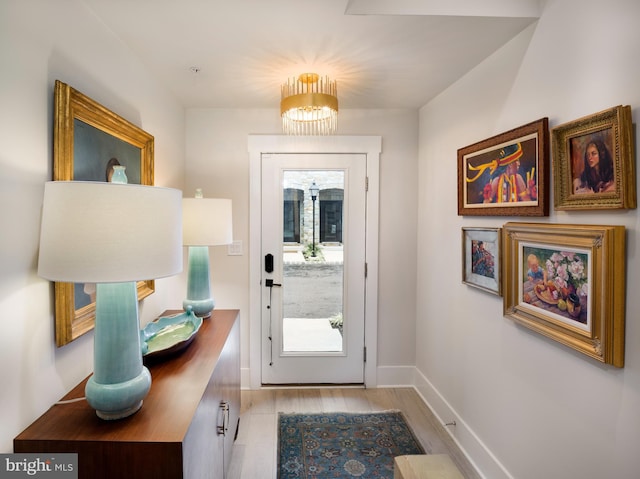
<point x="270" y="284"/>
<point x="222" y="430"/>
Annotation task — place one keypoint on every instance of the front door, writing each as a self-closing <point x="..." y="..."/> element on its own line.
<point x="313" y="274"/>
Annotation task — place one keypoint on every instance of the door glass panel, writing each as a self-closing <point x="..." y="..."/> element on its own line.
<point x="313" y="270"/>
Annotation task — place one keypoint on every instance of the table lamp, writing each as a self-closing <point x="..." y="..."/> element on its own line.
<point x="205" y="222"/>
<point x="112" y="235"/>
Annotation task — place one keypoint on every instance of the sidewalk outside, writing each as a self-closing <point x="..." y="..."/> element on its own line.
<point x="315" y="289"/>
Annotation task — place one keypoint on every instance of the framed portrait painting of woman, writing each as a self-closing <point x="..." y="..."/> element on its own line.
<point x="594" y="162"/>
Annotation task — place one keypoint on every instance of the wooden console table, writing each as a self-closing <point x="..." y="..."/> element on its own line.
<point x="178" y="433"/>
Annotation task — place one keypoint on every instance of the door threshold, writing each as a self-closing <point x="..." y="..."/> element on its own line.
<point x="314" y="385"/>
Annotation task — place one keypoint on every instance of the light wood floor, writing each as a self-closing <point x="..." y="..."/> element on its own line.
<point x="254" y="454"/>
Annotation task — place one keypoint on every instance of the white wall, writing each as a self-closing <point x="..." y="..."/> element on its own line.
<point x="527" y="407"/>
<point x="41" y="41"/>
<point x="217" y="160"/>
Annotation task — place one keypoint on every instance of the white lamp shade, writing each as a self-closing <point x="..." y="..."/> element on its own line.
<point x="206" y="221"/>
<point x="98" y="232"/>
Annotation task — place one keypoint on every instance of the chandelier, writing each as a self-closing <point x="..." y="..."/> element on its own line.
<point x="309" y="105"/>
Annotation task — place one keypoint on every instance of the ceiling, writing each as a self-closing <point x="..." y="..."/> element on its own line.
<point x="382" y="53"/>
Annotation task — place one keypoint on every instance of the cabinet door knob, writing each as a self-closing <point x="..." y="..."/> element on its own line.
<point x="222" y="430"/>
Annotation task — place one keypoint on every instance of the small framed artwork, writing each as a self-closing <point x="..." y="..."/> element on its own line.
<point x="594" y="162"/>
<point x="481" y="259"/>
<point x="506" y="175"/>
<point x="567" y="282"/>
<point x="88" y="141"/>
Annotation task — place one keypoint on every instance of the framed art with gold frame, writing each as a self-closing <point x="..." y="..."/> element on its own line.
<point x="481" y="264"/>
<point x="507" y="174"/>
<point x="88" y="140"/>
<point x="567" y="282"/>
<point x="594" y="162"/>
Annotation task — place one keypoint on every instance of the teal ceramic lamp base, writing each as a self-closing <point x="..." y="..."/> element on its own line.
<point x="198" y="284"/>
<point x="120" y="381"/>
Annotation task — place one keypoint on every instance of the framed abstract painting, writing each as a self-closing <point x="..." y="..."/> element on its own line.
<point x="506" y="175"/>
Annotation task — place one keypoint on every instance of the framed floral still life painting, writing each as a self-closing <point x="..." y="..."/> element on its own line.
<point x="506" y="175"/>
<point x="594" y="162"/>
<point x="481" y="263"/>
<point x="89" y="140"/>
<point x="567" y="282"/>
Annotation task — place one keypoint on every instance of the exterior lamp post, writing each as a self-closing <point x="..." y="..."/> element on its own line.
<point x="313" y="190"/>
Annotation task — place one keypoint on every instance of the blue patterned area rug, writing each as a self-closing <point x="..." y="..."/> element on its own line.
<point x="342" y="445"/>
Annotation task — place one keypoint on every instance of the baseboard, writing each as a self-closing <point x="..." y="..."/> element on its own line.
<point x="477" y="452"/>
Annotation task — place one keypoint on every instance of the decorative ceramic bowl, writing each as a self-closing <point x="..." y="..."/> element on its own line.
<point x="169" y="334"/>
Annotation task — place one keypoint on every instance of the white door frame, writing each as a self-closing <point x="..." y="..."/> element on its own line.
<point x="367" y="145"/>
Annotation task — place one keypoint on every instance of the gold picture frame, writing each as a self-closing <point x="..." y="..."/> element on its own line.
<point x="567" y="282"/>
<point x="87" y="137"/>
<point x="507" y="174"/>
<point x="604" y="140"/>
<point x="481" y="258"/>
